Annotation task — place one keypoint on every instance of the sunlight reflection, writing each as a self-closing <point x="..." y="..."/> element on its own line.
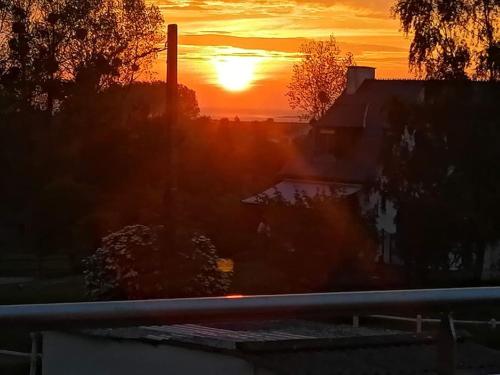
<point x="234" y="296"/>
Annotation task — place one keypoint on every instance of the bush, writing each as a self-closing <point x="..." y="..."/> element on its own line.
<point x="131" y="264"/>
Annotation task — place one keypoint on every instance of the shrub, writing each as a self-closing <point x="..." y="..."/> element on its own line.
<point x="132" y="264"/>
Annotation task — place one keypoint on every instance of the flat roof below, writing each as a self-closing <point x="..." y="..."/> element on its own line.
<point x="289" y="191"/>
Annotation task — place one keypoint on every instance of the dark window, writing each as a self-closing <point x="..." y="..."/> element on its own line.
<point x="339" y="142"/>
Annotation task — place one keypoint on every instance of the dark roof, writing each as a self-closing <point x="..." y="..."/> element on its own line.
<point x="367" y="106"/>
<point x="366" y="109"/>
<point x="360" y="167"/>
<point x="325" y="168"/>
<point x="245" y="336"/>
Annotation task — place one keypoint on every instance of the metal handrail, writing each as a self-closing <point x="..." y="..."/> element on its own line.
<point x="492" y="322"/>
<point x="169" y="311"/>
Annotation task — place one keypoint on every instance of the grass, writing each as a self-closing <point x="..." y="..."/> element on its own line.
<point x="67" y="289"/>
<point x="14" y="366"/>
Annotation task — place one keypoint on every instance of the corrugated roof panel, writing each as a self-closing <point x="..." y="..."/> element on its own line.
<point x="195" y="330"/>
<point x="288" y="190"/>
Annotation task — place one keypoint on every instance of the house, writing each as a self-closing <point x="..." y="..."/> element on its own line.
<point x="346" y="154"/>
<point x="255" y="348"/>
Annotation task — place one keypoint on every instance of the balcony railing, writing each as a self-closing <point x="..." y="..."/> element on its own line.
<point x="204" y="310"/>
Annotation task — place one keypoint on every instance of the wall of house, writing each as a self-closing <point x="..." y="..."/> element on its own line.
<point x="74" y="354"/>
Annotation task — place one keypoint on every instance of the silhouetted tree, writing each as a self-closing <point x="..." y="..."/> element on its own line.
<point x="51" y="49"/>
<point x="319" y="242"/>
<point x="440" y="170"/>
<point x="147" y="100"/>
<point x="319" y="78"/>
<point x="452" y="38"/>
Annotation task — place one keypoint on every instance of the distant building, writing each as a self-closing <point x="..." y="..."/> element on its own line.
<point x="346" y="153"/>
<point x="254" y="348"/>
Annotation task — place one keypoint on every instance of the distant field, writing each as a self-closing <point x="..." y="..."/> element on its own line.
<point x="65" y="289"/>
<point x="29" y="265"/>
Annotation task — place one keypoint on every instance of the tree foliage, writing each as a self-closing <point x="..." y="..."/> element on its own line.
<point x="101" y="167"/>
<point x="51" y="49"/>
<point x="319" y="78"/>
<point x="324" y="240"/>
<point x="439" y="169"/>
<point x="452" y="39"/>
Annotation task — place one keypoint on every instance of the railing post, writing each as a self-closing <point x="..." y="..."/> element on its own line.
<point x="355" y="321"/>
<point x="35" y="349"/>
<point x="446" y="346"/>
<point x="419" y="323"/>
<point x="493" y="323"/>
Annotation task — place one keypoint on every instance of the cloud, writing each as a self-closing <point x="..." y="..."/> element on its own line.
<point x="283" y="19"/>
<point x="276" y="44"/>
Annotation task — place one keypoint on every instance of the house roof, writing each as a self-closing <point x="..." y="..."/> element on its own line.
<point x="366" y="109"/>
<point x="325" y="168"/>
<point x="367" y="106"/>
<point x="245" y="335"/>
<point x="360" y="167"/>
<point x="290" y="191"/>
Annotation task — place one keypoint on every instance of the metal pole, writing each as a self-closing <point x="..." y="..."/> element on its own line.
<point x="35" y="353"/>
<point x="419" y="323"/>
<point x="355" y="321"/>
<point x="446" y="346"/>
<point x="171" y="116"/>
<point x="169" y="311"/>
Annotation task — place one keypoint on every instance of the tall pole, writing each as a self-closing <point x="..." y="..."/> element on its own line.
<point x="171" y="114"/>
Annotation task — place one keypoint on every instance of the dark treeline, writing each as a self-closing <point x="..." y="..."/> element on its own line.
<point x="440" y="169"/>
<point x="83" y="151"/>
<point x="83" y="147"/>
<point x="100" y="168"/>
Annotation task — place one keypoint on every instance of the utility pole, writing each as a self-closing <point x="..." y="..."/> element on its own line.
<point x="171" y="117"/>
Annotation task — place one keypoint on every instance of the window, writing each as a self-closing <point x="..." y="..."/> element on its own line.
<point x="338" y="142"/>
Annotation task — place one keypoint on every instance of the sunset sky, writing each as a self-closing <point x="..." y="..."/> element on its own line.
<point x="237" y="55"/>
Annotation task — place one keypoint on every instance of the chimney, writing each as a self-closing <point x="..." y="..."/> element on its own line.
<point x="356" y="75"/>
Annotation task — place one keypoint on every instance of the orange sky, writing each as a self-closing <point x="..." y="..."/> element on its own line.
<point x="250" y="47"/>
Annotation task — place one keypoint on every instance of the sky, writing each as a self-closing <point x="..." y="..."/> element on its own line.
<point x="238" y="55"/>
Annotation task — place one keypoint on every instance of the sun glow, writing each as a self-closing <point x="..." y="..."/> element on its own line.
<point x="235" y="73"/>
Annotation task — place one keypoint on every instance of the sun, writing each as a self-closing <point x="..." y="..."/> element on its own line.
<point x="235" y="73"/>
